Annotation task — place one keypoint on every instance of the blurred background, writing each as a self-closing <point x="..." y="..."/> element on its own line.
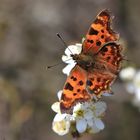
<point x="28" y="43"/>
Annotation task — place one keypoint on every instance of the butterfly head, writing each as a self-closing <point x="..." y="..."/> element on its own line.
<point x="84" y="61"/>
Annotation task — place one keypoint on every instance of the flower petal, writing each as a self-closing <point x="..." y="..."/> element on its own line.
<point x="60" y="125"/>
<point x="100" y="108"/>
<point x="130" y="87"/>
<point x="92" y="127"/>
<point x="67" y="59"/>
<point x="68" y="51"/>
<point x="59" y="117"/>
<point x="136" y="80"/>
<point x="99" y="124"/>
<point x="56" y="107"/>
<point x="77" y="107"/>
<point x="78" y="48"/>
<point x="73" y="49"/>
<point x="88" y="114"/>
<point x="127" y="73"/>
<point x="68" y="68"/>
<point x="136" y="100"/>
<point x="81" y="125"/>
<point x="59" y="94"/>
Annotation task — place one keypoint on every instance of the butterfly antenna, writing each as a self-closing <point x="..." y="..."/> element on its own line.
<point x="51" y="66"/>
<point x="65" y="44"/>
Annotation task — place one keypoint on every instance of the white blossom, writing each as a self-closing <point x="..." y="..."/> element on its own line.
<point x="56" y="106"/>
<point x="85" y="118"/>
<point x="61" y="124"/>
<point x="127" y="73"/>
<point x="72" y="49"/>
<point x="136" y="84"/>
<point x="88" y="116"/>
<point x="131" y="78"/>
<point x="59" y="94"/>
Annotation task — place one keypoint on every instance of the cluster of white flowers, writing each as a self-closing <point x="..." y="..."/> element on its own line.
<point x="86" y="117"/>
<point x="131" y="78"/>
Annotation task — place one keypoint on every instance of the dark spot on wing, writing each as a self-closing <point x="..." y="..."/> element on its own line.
<point x="98" y="43"/>
<point x="102" y="31"/>
<point x="99" y="21"/>
<point x="81" y="83"/>
<point x="74" y="78"/>
<point x="90" y="41"/>
<point x="93" y="31"/>
<point x="92" y="79"/>
<point x="102" y="36"/>
<point x="89" y="83"/>
<point x="98" y="79"/>
<point x="108" y="58"/>
<point x="68" y="86"/>
<point x="78" y="90"/>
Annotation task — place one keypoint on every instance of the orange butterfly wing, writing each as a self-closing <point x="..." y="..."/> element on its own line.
<point x="110" y="55"/>
<point x="99" y="82"/>
<point x="107" y="66"/>
<point x="99" y="33"/>
<point x="74" y="89"/>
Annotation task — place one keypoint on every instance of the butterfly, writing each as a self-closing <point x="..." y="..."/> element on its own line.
<point x="97" y="66"/>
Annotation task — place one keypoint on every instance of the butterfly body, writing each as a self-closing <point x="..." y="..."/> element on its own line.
<point x="96" y="66"/>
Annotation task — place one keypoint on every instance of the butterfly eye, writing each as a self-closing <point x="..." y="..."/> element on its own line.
<point x="72" y="55"/>
<point x="75" y="56"/>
